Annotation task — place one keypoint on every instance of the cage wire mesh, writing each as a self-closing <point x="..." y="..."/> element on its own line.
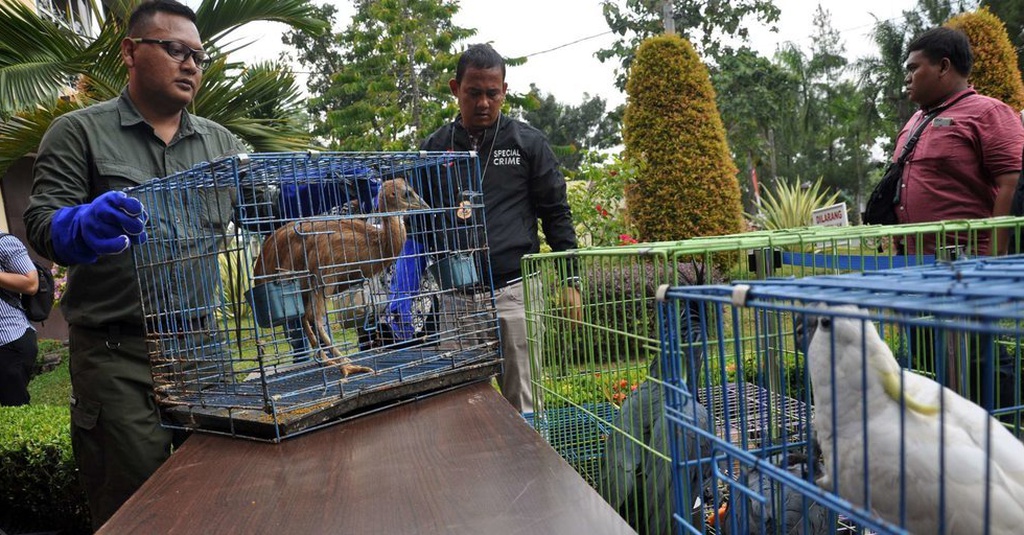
<point x="594" y="376"/>
<point x="285" y="291"/>
<point x="844" y="441"/>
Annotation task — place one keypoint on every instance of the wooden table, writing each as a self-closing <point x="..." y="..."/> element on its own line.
<point x="459" y="462"/>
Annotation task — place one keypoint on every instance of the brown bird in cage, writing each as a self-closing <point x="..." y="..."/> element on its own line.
<point x="338" y="253"/>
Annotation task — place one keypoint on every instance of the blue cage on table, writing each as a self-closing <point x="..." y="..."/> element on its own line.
<point x="756" y="465"/>
<point x="267" y="277"/>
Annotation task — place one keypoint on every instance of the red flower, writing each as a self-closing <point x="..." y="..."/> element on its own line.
<point x="601" y="210"/>
<point x="626" y="239"/>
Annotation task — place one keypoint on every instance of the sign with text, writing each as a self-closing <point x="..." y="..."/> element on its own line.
<point x="830" y="216"/>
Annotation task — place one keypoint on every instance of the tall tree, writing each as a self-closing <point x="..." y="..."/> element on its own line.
<point x="318" y="55"/>
<point x="39" y="59"/>
<point x="1010" y="12"/>
<point x="822" y="124"/>
<point x="573" y="130"/>
<point x="801" y="115"/>
<point x="756" y="98"/>
<point x="686" y="181"/>
<point x="706" y="23"/>
<point x="995" y="71"/>
<point x="936" y="12"/>
<point x="884" y="75"/>
<point x="382" y="83"/>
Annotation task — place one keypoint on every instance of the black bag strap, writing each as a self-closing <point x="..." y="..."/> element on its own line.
<point x="908" y="147"/>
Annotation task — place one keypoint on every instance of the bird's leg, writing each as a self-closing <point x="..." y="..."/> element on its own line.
<point x="311" y="327"/>
<point x="339" y="360"/>
<point x="314" y="340"/>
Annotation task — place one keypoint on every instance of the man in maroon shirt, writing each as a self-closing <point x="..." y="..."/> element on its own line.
<point x="965" y="166"/>
<point x="966" y="162"/>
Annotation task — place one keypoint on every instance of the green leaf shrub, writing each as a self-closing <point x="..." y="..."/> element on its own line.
<point x="52" y="387"/>
<point x="790" y="205"/>
<point x="687" y="185"/>
<point x="995" y="73"/>
<point x="619" y="296"/>
<point x="39" y="488"/>
<point x="597" y="199"/>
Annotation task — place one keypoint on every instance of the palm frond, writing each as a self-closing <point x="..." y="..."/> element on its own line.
<point x="217" y="18"/>
<point x="37" y="58"/>
<point x="21" y="134"/>
<point x="106" y="74"/>
<point x="259" y="105"/>
<point x="40" y="60"/>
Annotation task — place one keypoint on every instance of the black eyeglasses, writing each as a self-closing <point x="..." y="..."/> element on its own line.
<point x="179" y="51"/>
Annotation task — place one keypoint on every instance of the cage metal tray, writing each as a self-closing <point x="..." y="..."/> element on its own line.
<point x="309" y="396"/>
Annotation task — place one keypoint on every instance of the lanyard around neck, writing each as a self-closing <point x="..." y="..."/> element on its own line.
<point x="474" y="143"/>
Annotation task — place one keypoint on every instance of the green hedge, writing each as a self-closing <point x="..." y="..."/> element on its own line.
<point x="39" y="489"/>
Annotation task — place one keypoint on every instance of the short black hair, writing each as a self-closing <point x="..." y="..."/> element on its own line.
<point x="942" y="42"/>
<point x="479" y="56"/>
<point x="145" y="11"/>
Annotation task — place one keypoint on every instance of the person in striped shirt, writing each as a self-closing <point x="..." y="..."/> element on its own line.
<point x="18" y="347"/>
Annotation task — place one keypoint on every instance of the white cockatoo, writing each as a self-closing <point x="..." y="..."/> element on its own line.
<point x="980" y="464"/>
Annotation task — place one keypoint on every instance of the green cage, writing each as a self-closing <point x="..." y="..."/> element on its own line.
<point x="599" y="360"/>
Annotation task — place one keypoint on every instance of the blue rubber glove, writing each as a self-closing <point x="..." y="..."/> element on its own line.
<point x="322" y="190"/>
<point x="108" y="225"/>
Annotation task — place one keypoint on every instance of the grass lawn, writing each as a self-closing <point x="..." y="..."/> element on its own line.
<point x="52" y="387"/>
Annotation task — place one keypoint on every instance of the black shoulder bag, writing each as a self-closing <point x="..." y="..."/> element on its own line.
<point x="881" y="205"/>
<point x="38" y="305"/>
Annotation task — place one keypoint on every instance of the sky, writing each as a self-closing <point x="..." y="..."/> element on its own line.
<point x="560" y="37"/>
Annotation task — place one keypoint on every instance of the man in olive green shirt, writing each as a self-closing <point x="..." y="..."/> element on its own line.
<point x="77" y="217"/>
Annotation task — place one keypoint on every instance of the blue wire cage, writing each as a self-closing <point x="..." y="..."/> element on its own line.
<point x="758" y="465"/>
<point x="285" y="291"/>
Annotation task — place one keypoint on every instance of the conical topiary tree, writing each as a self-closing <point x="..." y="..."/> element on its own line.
<point x="995" y="72"/>
<point x="686" y="185"/>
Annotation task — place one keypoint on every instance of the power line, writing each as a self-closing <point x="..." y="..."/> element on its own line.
<point x="580" y="40"/>
<point x="608" y="32"/>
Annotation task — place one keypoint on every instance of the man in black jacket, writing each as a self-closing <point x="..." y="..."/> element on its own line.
<point x="521" y="184"/>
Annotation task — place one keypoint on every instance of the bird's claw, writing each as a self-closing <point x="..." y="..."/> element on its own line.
<point x="348" y="369"/>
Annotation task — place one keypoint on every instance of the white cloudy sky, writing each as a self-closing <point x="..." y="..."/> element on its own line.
<point x="534" y="27"/>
